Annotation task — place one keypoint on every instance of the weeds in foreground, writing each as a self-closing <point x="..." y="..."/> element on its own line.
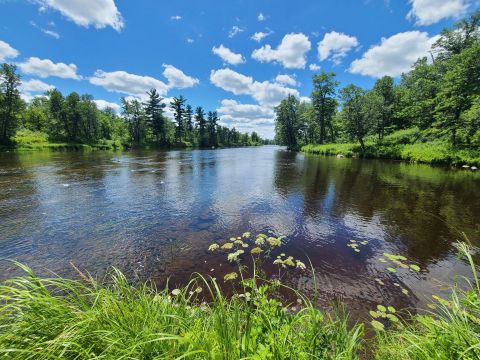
<point x="67" y="319"/>
<point x="59" y="318"/>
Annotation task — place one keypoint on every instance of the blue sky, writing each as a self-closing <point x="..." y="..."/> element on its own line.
<point x="239" y="57"/>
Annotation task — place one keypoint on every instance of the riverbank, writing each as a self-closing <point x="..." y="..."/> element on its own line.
<point x="405" y="145"/>
<point x="61" y="318"/>
<point x="25" y="141"/>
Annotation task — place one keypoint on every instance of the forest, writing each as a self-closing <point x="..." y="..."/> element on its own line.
<point x="57" y="121"/>
<point x="431" y="115"/>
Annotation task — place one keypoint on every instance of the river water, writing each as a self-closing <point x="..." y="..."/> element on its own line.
<point x="154" y="214"/>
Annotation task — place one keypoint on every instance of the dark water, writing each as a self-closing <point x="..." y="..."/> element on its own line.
<point x="153" y="215"/>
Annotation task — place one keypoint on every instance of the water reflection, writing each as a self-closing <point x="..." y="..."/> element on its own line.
<point x="153" y="214"/>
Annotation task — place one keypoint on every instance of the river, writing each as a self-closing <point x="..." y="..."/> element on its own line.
<point x="154" y="214"/>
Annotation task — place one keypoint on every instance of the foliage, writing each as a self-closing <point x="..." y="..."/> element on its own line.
<point x="439" y="100"/>
<point x="68" y="319"/>
<point x="451" y="332"/>
<point x="74" y="120"/>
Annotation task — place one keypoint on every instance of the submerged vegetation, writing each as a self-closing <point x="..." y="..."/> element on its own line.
<point x="78" y="319"/>
<point x="432" y="115"/>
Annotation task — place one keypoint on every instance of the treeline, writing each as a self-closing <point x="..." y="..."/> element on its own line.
<point x="439" y="97"/>
<point x="76" y="119"/>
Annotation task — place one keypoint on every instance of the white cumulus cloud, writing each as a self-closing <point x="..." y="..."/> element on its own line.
<point x="126" y="83"/>
<point x="427" y="12"/>
<point x="260" y="35"/>
<point x="137" y="85"/>
<point x="286" y="80"/>
<point x="314" y="67"/>
<point x="266" y="93"/>
<point x="261" y="17"/>
<point x="177" y="78"/>
<point x="291" y="52"/>
<point x="97" y="13"/>
<point x="46" y="67"/>
<point x="103" y="104"/>
<point x="235" y="30"/>
<point x="335" y="46"/>
<point x="7" y="52"/>
<point x="176" y="17"/>
<point x="228" y="55"/>
<point x="394" y="55"/>
<point x="35" y="85"/>
<point x="247" y="117"/>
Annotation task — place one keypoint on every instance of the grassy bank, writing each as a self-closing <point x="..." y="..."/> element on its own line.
<point x="59" y="318"/>
<point x="407" y="145"/>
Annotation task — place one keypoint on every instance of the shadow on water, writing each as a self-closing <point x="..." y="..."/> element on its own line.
<point x="153" y="215"/>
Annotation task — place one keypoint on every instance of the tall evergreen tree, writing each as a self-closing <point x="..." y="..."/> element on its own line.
<point x="202" y="126"/>
<point x="154" y="113"/>
<point x="178" y="107"/>
<point x="212" y="128"/>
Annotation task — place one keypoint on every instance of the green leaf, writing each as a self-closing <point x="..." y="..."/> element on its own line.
<point x="381" y="308"/>
<point x="415" y="267"/>
<point x="377" y="325"/>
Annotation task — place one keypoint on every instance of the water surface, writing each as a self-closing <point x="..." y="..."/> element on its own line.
<point x="153" y="215"/>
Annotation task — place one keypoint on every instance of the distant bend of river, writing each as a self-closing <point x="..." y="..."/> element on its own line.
<point x="154" y="214"/>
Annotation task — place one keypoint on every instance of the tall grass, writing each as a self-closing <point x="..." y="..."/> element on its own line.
<point x="58" y="318"/>
<point x="452" y="331"/>
<point x="67" y="319"/>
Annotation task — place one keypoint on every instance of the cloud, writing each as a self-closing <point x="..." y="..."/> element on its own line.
<point x="7" y="52"/>
<point x="261" y="17"/>
<point x="394" y="55"/>
<point x="247" y="117"/>
<point x="259" y="36"/>
<point x="266" y="93"/>
<point x="177" y="78"/>
<point x="314" y="67"/>
<point x="46" y="67"/>
<point x="427" y="12"/>
<point x="286" y="80"/>
<point x="97" y="13"/>
<point x="35" y="85"/>
<point x="103" y="104"/>
<point x="228" y="55"/>
<point x="190" y="40"/>
<point x="291" y="52"/>
<point x="335" y="46"/>
<point x="237" y="110"/>
<point x="51" y="33"/>
<point x="234" y="31"/>
<point x="126" y="83"/>
<point x="137" y="85"/>
<point x="176" y="17"/>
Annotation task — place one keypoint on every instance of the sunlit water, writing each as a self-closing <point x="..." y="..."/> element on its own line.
<point x="153" y="215"/>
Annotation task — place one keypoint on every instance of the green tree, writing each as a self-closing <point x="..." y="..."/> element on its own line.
<point x="459" y="87"/>
<point x="202" y="126"/>
<point x="10" y="102"/>
<point x="178" y="107"/>
<point x="212" y="128"/>
<point x="384" y="88"/>
<point x="324" y="104"/>
<point x="287" y="122"/>
<point x="135" y="118"/>
<point x="154" y="113"/>
<point x="188" y="121"/>
<point x="356" y="113"/>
